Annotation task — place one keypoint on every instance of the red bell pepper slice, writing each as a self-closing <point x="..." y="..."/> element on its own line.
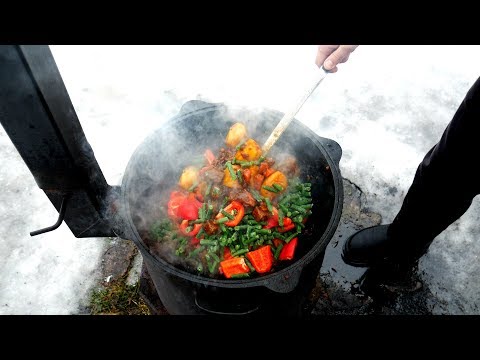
<point x="286" y="228"/>
<point x="209" y="156"/>
<point x="175" y="194"/>
<point x="287" y="225"/>
<point x="176" y="199"/>
<point x="195" y="229"/>
<point x="277" y="242"/>
<point x="261" y="259"/>
<point x="288" y="250"/>
<point x="188" y="208"/>
<point x="272" y="221"/>
<point x="234" y="266"/>
<point x="227" y="254"/>
<point x="236" y="209"/>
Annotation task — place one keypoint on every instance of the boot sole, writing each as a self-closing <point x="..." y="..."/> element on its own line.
<point x="352" y="262"/>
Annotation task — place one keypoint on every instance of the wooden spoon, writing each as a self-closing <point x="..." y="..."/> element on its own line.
<point x="288" y="117"/>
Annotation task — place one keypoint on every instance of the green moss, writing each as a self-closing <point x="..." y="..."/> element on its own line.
<point x="118" y="299"/>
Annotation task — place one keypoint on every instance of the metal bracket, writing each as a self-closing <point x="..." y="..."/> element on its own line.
<point x="61" y="216"/>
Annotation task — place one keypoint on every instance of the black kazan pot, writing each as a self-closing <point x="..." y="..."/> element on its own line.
<point x="153" y="171"/>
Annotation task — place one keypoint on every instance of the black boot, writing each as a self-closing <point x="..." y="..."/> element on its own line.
<point x="377" y="245"/>
<point x="367" y="247"/>
<point x="392" y="264"/>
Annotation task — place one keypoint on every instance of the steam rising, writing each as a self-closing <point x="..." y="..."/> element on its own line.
<point x="386" y="107"/>
<point x="155" y="167"/>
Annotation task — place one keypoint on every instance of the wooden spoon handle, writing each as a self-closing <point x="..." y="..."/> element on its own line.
<point x="288" y="117"/>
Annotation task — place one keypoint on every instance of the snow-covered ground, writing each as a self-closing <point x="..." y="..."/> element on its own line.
<point x="386" y="107"/>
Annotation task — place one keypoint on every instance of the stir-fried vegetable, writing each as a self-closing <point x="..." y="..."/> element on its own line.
<point x="237" y="215"/>
<point x="230" y="178"/>
<point x="188" y="208"/>
<point x="234" y="212"/>
<point x="274" y="184"/>
<point x="236" y="134"/>
<point x="189" y="177"/>
<point x="261" y="259"/>
<point x="234" y="266"/>
<point x="288" y="250"/>
<point x="189" y="230"/>
<point x="249" y="151"/>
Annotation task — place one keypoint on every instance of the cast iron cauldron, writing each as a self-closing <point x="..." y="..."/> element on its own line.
<point x="154" y="169"/>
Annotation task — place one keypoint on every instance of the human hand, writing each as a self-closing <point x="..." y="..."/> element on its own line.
<point x="331" y="55"/>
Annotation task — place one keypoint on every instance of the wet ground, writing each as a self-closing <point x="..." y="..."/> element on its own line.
<point x="337" y="290"/>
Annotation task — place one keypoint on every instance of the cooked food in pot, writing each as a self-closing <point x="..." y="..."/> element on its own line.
<point x="238" y="214"/>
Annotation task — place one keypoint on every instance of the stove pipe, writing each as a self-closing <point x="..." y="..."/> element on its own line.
<point x="38" y="116"/>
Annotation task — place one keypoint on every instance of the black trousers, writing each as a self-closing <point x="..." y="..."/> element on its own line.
<point x="445" y="183"/>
